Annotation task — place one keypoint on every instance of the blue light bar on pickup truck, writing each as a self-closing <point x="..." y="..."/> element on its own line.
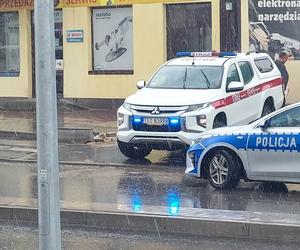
<point x="206" y="54"/>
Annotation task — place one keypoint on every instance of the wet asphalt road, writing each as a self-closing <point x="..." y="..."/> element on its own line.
<point x="19" y="238"/>
<point x="137" y="189"/>
<point x="132" y="186"/>
<point x="92" y="153"/>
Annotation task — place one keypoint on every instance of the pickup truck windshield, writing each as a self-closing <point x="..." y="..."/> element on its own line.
<point x="187" y="77"/>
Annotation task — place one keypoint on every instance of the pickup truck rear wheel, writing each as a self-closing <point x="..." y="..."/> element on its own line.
<point x="223" y="170"/>
<point x="133" y="151"/>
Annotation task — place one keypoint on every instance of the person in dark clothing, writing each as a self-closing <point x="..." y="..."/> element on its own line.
<point x="280" y="63"/>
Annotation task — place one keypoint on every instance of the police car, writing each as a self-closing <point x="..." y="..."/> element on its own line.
<point x="194" y="92"/>
<point x="267" y="150"/>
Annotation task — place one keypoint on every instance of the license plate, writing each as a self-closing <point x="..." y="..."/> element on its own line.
<point x="156" y="121"/>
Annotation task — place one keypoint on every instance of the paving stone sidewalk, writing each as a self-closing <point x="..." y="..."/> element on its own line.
<point x="101" y="122"/>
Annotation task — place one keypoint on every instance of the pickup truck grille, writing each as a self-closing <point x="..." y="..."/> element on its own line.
<point x="156" y="124"/>
<point x="158" y="109"/>
<point x="162" y="128"/>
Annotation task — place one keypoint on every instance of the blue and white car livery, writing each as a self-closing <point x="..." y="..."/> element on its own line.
<point x="267" y="149"/>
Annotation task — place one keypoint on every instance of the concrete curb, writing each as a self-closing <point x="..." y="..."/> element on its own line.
<point x="99" y="164"/>
<point x="75" y="135"/>
<point x="65" y="135"/>
<point x="161" y="224"/>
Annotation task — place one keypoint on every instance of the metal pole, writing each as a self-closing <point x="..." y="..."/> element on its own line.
<point x="47" y="135"/>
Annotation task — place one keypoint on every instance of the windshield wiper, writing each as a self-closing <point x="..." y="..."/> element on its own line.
<point x="208" y="83"/>
<point x="185" y="77"/>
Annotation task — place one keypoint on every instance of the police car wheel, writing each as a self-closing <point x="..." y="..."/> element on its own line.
<point x="223" y="170"/>
<point x="136" y="152"/>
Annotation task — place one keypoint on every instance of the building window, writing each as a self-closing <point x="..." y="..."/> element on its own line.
<point x="112" y="40"/>
<point x="188" y="28"/>
<point x="9" y="44"/>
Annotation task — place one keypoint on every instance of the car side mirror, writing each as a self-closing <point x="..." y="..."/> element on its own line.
<point x="141" y="84"/>
<point x="264" y="125"/>
<point x="235" y="86"/>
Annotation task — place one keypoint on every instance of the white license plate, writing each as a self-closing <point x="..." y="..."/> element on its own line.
<point x="156" y="121"/>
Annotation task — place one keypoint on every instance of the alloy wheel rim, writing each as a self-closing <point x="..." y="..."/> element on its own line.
<point x="218" y="169"/>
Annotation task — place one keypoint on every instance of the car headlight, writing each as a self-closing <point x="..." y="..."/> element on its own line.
<point x="201" y="120"/>
<point x="127" y="106"/>
<point x="197" y="106"/>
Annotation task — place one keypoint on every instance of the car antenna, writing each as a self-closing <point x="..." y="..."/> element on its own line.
<point x="193" y="63"/>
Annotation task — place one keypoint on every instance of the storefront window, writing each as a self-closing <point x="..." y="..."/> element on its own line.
<point x="188" y="28"/>
<point x="9" y="43"/>
<point x="113" y="40"/>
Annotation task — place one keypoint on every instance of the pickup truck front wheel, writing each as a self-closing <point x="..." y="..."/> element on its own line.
<point x="133" y="151"/>
<point x="268" y="108"/>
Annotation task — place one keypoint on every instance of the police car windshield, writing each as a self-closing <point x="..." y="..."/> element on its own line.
<point x="187" y="77"/>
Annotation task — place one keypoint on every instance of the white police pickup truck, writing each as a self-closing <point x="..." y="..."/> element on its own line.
<point x="267" y="150"/>
<point x="194" y="92"/>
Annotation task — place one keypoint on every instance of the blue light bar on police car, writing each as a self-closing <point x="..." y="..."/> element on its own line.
<point x="206" y="54"/>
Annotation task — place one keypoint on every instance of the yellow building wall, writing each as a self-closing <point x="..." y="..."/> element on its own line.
<point x="149" y="46"/>
<point x="294" y="81"/>
<point x="148" y="54"/>
<point x="21" y="86"/>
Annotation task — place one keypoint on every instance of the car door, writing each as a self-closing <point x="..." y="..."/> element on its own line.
<point x="238" y="111"/>
<point x="274" y="149"/>
<point x="251" y="99"/>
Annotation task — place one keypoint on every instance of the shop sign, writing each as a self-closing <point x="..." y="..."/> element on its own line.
<point x="24" y="4"/>
<point x="6" y="4"/>
<point x="274" y="25"/>
<point x="90" y="3"/>
<point x="18" y="4"/>
<point x="83" y="3"/>
<point x="74" y="36"/>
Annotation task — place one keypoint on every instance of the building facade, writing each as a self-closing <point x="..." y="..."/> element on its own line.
<point x="104" y="47"/>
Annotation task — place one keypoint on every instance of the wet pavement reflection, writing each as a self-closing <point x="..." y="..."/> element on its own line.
<point x="142" y="189"/>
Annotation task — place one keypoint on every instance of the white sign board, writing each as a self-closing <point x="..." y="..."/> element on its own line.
<point x="113" y="39"/>
<point x="59" y="64"/>
<point x="75" y="36"/>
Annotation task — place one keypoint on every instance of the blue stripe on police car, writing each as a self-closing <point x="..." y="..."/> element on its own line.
<point x="276" y="142"/>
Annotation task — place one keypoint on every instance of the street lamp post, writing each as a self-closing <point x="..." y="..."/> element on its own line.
<point x="47" y="135"/>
